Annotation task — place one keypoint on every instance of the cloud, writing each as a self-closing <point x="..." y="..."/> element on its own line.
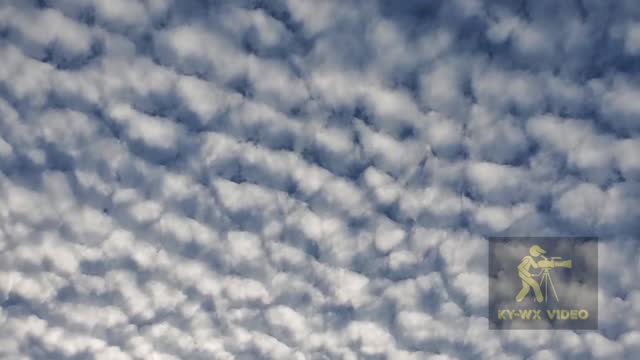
<point x="298" y="179"/>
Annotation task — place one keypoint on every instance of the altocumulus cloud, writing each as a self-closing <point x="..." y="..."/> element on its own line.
<point x="308" y="179"/>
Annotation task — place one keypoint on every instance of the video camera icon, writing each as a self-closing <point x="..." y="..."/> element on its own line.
<point x="546" y="264"/>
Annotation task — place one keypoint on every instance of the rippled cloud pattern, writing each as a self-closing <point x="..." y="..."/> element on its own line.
<point x="187" y="179"/>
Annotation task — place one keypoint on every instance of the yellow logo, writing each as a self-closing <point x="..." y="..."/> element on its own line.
<point x="545" y="265"/>
<point x="543" y="283"/>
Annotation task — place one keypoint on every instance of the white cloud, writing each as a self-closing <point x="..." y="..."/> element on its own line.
<point x="288" y="320"/>
<point x="388" y="235"/>
<point x="151" y="130"/>
<point x="632" y="39"/>
<point x="306" y="179"/>
<point x="62" y="32"/>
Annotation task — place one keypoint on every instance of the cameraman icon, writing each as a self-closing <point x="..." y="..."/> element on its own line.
<point x="528" y="281"/>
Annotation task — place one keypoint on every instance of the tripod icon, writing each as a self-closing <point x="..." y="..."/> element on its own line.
<point x="547" y="280"/>
<point x="546" y="265"/>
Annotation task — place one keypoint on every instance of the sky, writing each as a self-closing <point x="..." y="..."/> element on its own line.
<point x="190" y="179"/>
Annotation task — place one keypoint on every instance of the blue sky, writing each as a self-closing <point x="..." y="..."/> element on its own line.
<point x="308" y="179"/>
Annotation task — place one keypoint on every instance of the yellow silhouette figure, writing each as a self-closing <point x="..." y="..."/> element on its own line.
<point x="528" y="282"/>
